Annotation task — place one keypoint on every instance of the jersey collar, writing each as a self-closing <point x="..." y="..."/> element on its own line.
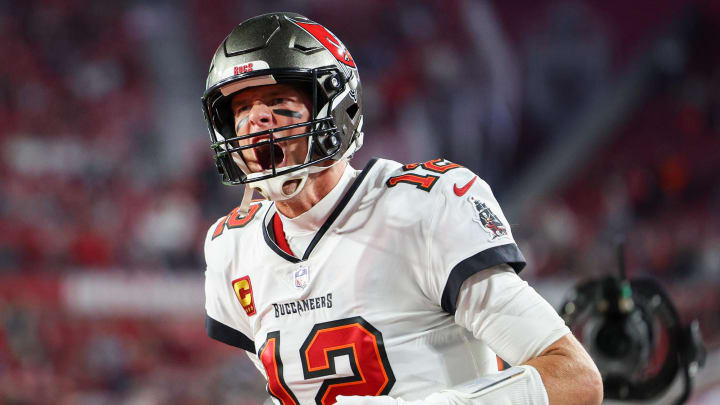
<point x="269" y="234"/>
<point x="314" y="218"/>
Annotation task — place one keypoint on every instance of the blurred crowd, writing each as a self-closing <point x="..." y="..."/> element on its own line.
<point x="656" y="189"/>
<point x="53" y="357"/>
<point x="79" y="190"/>
<point x="487" y="85"/>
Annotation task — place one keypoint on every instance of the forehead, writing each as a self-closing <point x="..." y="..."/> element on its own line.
<point x="267" y="91"/>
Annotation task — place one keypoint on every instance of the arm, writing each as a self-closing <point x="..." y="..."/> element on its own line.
<point x="564" y="378"/>
<point x="522" y="328"/>
<point x="568" y="373"/>
<point x="225" y="319"/>
<point x="469" y="275"/>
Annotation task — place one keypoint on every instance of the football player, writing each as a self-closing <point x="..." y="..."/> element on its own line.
<point x="392" y="284"/>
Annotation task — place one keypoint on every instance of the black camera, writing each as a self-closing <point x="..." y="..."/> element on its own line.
<point x="634" y="334"/>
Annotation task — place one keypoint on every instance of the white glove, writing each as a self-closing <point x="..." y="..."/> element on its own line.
<point x="438" y="398"/>
<point x="368" y="400"/>
<point x="520" y="385"/>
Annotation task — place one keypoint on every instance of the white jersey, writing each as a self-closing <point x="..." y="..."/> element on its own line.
<point x="370" y="307"/>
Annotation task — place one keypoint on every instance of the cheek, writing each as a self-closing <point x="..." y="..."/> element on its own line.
<point x="238" y="161"/>
<point x="241" y="123"/>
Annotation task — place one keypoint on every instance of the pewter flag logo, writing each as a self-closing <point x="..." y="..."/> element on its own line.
<point x="489" y="221"/>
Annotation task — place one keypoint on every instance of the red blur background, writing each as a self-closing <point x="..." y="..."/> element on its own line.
<point x="591" y="120"/>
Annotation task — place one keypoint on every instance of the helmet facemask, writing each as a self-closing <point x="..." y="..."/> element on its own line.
<point x="283" y="48"/>
<point x="323" y="142"/>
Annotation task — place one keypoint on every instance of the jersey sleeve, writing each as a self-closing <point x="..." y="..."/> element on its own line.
<point x="467" y="233"/>
<point x="223" y="321"/>
<point x="508" y="315"/>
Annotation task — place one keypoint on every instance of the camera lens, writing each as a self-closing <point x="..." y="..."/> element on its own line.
<point x="612" y="339"/>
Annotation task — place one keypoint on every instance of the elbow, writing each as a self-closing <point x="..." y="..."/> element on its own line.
<point x="594" y="385"/>
<point x="589" y="377"/>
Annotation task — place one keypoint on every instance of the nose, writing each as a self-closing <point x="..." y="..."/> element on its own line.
<point x="260" y="116"/>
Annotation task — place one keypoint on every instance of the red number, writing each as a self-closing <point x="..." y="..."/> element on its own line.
<point x="440" y="165"/>
<point x="422" y="182"/>
<point x="236" y="220"/>
<point x="362" y="343"/>
<point x="436" y="165"/>
<point x="354" y="337"/>
<point x="270" y="356"/>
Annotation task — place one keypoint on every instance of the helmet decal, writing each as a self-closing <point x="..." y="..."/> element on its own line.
<point x="248" y="58"/>
<point x="328" y="40"/>
<point x="246" y="67"/>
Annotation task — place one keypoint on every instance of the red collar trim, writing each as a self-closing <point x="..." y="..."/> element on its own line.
<point x="280" y="235"/>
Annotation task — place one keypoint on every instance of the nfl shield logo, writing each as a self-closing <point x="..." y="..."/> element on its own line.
<point x="301" y="277"/>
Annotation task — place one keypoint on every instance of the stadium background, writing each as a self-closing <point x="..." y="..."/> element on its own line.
<point x="590" y="119"/>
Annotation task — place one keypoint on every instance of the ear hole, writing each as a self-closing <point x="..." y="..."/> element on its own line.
<point x="352" y="110"/>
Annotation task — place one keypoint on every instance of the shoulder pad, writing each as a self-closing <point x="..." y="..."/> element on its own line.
<point x="222" y="237"/>
<point x="235" y="220"/>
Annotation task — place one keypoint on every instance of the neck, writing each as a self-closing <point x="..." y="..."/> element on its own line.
<point x="318" y="185"/>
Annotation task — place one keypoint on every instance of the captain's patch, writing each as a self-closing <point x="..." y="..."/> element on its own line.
<point x="243" y="291"/>
<point x="487" y="219"/>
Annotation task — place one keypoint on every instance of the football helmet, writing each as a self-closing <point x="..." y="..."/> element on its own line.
<point x="291" y="49"/>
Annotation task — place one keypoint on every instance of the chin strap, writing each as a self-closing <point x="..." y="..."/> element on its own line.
<point x="245" y="203"/>
<point x="272" y="188"/>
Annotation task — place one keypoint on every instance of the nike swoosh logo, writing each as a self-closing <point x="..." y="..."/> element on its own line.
<point x="460" y="191"/>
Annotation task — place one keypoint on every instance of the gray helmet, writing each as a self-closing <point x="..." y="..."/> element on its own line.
<point x="284" y="48"/>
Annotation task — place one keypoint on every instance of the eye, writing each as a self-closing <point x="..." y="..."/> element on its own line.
<point x="242" y="108"/>
<point x="279" y="100"/>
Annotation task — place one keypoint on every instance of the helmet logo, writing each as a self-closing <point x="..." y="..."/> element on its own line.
<point x="328" y="40"/>
<point x="248" y="67"/>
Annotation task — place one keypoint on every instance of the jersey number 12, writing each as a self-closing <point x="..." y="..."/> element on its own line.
<point x="353" y="337"/>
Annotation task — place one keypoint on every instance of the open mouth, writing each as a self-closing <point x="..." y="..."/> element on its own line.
<point x="269" y="156"/>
